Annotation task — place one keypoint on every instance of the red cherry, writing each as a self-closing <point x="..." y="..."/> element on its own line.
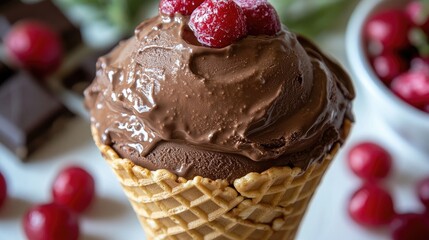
<point x="410" y="226"/>
<point x="371" y="206"/>
<point x="413" y="88"/>
<point x="417" y="15"/>
<point x="3" y="190"/>
<point x="389" y="65"/>
<point x="423" y="192"/>
<point x="75" y="188"/>
<point x="261" y="17"/>
<point x="184" y="7"/>
<point x="390" y="28"/>
<point x="34" y="46"/>
<point x="50" y="222"/>
<point x="218" y="23"/>
<point x="369" y="161"/>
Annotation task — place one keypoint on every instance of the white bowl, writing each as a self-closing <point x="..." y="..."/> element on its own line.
<point x="409" y="123"/>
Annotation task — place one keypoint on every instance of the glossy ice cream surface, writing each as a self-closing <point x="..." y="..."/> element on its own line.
<point x="166" y="102"/>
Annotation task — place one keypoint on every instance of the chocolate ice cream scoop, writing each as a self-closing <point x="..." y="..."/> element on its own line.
<point x="164" y="101"/>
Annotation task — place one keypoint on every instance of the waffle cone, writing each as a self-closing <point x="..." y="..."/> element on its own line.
<point x="267" y="205"/>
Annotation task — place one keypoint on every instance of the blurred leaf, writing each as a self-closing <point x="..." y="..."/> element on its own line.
<point x="115" y="12"/>
<point x="320" y="19"/>
<point x="282" y="5"/>
<point x="96" y="3"/>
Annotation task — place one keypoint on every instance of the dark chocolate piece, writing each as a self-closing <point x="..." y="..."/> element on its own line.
<point x="5" y="72"/>
<point x="47" y="12"/>
<point x="27" y="113"/>
<point x="4" y="2"/>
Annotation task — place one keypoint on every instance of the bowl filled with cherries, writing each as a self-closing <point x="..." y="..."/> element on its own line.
<point x="387" y="44"/>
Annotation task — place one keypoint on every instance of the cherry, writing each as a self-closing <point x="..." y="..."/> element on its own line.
<point x="184" y="7"/>
<point x="75" y="188"/>
<point x="218" y="23"/>
<point x="50" y="222"/>
<point x="423" y="192"/>
<point x="369" y="161"/>
<point x="371" y="206"/>
<point x="261" y="17"/>
<point x="413" y="88"/>
<point x="417" y="15"/>
<point x="3" y="189"/>
<point x="410" y="226"/>
<point x="389" y="65"/>
<point x="389" y="28"/>
<point x="34" y="46"/>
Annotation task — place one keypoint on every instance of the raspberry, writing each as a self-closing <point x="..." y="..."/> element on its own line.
<point x="34" y="46"/>
<point x="389" y="65"/>
<point x="413" y="88"/>
<point x="218" y="23"/>
<point x="184" y="7"/>
<point x="261" y="17"/>
<point x="389" y="28"/>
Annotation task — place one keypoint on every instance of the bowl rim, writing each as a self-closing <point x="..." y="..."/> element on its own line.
<point x="361" y="68"/>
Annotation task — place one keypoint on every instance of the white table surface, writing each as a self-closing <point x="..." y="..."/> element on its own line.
<point x="111" y="216"/>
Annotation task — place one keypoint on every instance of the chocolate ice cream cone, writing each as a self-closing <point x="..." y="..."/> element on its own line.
<point x="219" y="142"/>
<point x="267" y="205"/>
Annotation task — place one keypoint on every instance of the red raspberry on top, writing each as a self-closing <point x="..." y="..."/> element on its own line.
<point x="261" y="17"/>
<point x="218" y="23"/>
<point x="184" y="7"/>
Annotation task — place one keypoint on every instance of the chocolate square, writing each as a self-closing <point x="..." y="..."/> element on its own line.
<point x="4" y="2"/>
<point x="46" y="12"/>
<point x="27" y="113"/>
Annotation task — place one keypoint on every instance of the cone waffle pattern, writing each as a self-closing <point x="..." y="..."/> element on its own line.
<point x="268" y="205"/>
